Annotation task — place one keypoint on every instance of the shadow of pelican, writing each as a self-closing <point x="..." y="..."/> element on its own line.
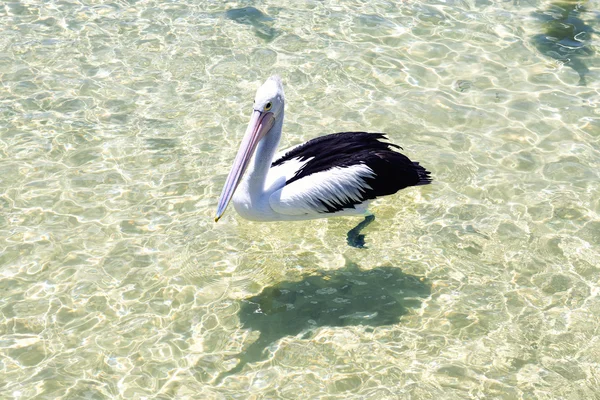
<point x="345" y="297"/>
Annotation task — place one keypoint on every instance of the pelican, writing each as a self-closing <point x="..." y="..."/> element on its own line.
<point x="329" y="176"/>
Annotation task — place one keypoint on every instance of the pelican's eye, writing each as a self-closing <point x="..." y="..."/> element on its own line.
<point x="268" y="106"/>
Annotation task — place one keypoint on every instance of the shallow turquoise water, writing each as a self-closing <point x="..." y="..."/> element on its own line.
<point x="119" y="122"/>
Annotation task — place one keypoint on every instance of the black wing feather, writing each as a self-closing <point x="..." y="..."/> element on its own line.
<point x="393" y="170"/>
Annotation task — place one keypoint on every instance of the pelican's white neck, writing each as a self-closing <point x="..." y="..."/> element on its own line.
<point x="254" y="182"/>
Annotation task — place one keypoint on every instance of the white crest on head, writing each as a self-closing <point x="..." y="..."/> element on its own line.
<point x="270" y="91"/>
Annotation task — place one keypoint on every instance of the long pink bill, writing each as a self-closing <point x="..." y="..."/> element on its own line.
<point x="260" y="124"/>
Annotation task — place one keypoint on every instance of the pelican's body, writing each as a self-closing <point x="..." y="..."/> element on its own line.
<point x="329" y="176"/>
<point x="333" y="175"/>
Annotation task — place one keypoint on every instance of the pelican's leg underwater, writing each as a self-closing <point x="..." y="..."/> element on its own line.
<point x="355" y="238"/>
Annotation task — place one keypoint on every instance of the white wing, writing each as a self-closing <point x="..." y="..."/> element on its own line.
<point x="280" y="174"/>
<point x="323" y="191"/>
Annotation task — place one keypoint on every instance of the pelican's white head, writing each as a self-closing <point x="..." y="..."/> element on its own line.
<point x="267" y="111"/>
<point x="269" y="97"/>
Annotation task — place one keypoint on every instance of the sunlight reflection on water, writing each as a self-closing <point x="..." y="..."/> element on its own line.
<point x="120" y="121"/>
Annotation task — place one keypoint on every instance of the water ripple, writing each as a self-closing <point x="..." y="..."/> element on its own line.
<point x="119" y="121"/>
